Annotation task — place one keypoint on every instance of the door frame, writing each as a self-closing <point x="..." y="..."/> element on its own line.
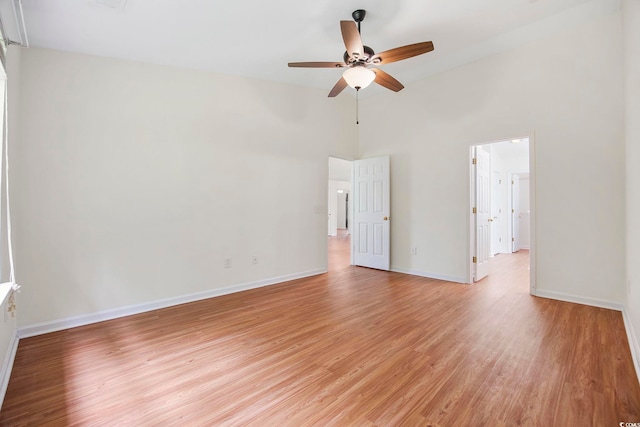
<point x="471" y="241"/>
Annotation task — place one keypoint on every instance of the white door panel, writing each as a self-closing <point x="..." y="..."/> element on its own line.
<point x="496" y="213"/>
<point x="371" y="217"/>
<point x="515" y="213"/>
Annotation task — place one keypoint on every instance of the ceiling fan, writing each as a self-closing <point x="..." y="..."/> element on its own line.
<point x="360" y="61"/>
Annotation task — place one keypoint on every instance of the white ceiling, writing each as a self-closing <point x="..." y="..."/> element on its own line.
<point x="258" y="38"/>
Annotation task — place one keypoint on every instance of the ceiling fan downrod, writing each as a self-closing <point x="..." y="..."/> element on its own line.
<point x="358" y="16"/>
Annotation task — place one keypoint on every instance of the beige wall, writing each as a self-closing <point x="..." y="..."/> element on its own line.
<point x="134" y="182"/>
<point x="567" y="92"/>
<point x="631" y="26"/>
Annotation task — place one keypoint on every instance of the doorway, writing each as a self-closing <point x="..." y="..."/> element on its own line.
<point x="501" y="206"/>
<point x="367" y="214"/>
<point x="339" y="209"/>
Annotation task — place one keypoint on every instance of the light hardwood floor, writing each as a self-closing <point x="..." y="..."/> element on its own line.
<point x="351" y="347"/>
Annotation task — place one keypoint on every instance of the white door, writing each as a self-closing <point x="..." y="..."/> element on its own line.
<point x="371" y="228"/>
<point x="524" y="217"/>
<point x="515" y="213"/>
<point x="341" y="209"/>
<point x="331" y="207"/>
<point x="483" y="213"/>
<point x="496" y="214"/>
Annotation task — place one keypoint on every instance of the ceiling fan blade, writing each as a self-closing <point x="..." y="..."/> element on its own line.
<point x="403" y="52"/>
<point x="339" y="87"/>
<point x="317" y="64"/>
<point x="352" y="40"/>
<point x="386" y="80"/>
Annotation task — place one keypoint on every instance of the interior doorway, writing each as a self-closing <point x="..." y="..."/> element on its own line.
<point x="501" y="206"/>
<point x="340" y="205"/>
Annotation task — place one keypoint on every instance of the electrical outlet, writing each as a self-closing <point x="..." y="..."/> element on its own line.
<point x="414" y="251"/>
<point x="254" y="260"/>
<point x="227" y="263"/>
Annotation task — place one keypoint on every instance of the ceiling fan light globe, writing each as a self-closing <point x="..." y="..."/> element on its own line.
<point x="358" y="77"/>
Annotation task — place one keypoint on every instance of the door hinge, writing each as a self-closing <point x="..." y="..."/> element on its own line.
<point x="513" y="239"/>
<point x="474" y="210"/>
<point x="475" y="260"/>
<point x="474" y="161"/>
<point x="513" y="211"/>
<point x="512" y="182"/>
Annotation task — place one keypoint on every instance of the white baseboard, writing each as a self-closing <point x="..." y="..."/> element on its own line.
<point x="428" y="275"/>
<point x="7" y="366"/>
<point x="633" y="341"/>
<point x="579" y="299"/>
<point x="72" y="322"/>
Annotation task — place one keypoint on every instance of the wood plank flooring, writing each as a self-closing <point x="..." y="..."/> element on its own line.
<point x="351" y="347"/>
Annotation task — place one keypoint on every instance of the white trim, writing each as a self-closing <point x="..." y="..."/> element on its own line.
<point x="5" y="290"/>
<point x="7" y="366"/>
<point x="100" y="316"/>
<point x="22" y="28"/>
<point x="594" y="302"/>
<point x="633" y="341"/>
<point x="428" y="275"/>
<point x="532" y="214"/>
<point x="471" y="236"/>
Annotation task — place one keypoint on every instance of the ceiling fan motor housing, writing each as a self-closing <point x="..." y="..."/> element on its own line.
<point x="368" y="53"/>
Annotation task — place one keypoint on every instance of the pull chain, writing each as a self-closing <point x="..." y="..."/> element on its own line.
<point x="357" y="106"/>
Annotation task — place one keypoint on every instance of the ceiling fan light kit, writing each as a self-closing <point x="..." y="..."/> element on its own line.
<point x="359" y="77"/>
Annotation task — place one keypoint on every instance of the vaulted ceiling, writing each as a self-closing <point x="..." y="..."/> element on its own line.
<point x="258" y="38"/>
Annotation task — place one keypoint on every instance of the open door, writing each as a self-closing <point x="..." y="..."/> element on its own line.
<point x="515" y="213"/>
<point x="496" y="213"/>
<point x="371" y="225"/>
<point x="483" y="213"/>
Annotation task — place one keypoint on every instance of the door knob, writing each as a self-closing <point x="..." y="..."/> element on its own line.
<point x="386" y="218"/>
<point x="490" y="220"/>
